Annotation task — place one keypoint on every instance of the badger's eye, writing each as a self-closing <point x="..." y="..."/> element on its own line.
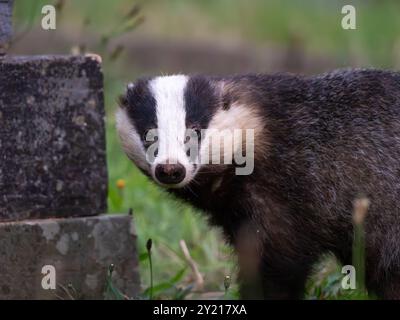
<point x="145" y="135"/>
<point x="198" y="133"/>
<point x="149" y="137"/>
<point x="192" y="140"/>
<point x="194" y="132"/>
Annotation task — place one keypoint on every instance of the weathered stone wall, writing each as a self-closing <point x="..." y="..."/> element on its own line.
<point x="52" y="137"/>
<point x="53" y="181"/>
<point x="80" y="249"/>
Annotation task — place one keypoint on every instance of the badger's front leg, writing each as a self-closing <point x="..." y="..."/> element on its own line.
<point x="273" y="277"/>
<point x="285" y="277"/>
<point x="273" y="265"/>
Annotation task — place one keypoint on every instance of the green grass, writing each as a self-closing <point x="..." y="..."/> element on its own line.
<point x="257" y="21"/>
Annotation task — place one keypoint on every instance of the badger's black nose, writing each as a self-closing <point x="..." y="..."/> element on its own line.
<point x="170" y="173"/>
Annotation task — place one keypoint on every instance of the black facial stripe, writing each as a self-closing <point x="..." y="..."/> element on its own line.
<point x="141" y="107"/>
<point x="200" y="102"/>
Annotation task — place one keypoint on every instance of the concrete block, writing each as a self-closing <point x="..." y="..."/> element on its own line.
<point x="5" y="24"/>
<point x="79" y="249"/>
<point x="52" y="137"/>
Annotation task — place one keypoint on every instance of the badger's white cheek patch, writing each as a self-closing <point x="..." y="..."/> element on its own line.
<point x="232" y="132"/>
<point x="130" y="140"/>
<point x="238" y="116"/>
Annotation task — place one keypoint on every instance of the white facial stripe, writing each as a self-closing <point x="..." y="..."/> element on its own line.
<point x="171" y="117"/>
<point x="130" y="140"/>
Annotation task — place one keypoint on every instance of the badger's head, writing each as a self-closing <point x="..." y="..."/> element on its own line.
<point x="161" y="123"/>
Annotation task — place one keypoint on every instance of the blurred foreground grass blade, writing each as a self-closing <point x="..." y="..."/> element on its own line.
<point x="360" y="210"/>
<point x="149" y="245"/>
<point x="182" y="293"/>
<point x="127" y="24"/>
<point x="164" y="286"/>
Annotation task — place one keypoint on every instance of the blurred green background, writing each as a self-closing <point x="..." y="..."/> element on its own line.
<point x="152" y="37"/>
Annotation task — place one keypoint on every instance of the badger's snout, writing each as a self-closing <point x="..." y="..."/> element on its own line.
<point x="170" y="173"/>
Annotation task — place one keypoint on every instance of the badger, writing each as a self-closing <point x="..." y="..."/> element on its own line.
<point x="319" y="142"/>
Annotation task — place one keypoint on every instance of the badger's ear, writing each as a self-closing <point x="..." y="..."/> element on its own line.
<point x="122" y="101"/>
<point x="224" y="94"/>
<point x="123" y="98"/>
